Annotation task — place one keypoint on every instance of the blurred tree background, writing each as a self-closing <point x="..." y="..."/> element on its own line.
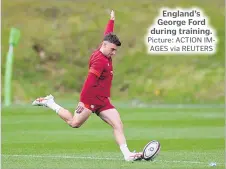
<point x="58" y="37"/>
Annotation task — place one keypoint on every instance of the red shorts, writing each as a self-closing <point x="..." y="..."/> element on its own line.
<point x="97" y="104"/>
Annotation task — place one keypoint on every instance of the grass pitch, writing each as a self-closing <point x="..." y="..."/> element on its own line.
<point x="36" y="138"/>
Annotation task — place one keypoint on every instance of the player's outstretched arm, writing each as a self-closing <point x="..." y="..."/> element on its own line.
<point x="110" y="26"/>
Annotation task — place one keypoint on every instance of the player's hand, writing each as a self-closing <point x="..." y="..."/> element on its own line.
<point x="112" y="15"/>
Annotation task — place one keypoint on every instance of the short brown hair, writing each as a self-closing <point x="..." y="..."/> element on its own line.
<point x="112" y="38"/>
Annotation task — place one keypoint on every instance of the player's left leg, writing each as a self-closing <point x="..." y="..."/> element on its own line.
<point x="112" y="117"/>
<point x="81" y="113"/>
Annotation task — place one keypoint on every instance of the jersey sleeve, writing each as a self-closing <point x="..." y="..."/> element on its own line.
<point x="97" y="67"/>
<point x="110" y="27"/>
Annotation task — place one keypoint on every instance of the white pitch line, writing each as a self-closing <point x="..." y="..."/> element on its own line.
<point x="56" y="156"/>
<point x="96" y="158"/>
<point x="175" y="161"/>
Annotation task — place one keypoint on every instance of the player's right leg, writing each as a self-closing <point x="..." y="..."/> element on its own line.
<point x="80" y="116"/>
<point x="112" y="117"/>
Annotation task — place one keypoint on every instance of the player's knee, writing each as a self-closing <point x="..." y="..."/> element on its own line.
<point x="118" y="126"/>
<point x="75" y="125"/>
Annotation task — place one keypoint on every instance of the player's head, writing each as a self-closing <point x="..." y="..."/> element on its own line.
<point x="110" y="44"/>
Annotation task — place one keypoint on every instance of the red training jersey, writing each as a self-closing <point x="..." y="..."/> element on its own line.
<point x="100" y="75"/>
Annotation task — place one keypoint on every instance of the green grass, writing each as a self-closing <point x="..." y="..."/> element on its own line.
<point x="36" y="138"/>
<point x="71" y="29"/>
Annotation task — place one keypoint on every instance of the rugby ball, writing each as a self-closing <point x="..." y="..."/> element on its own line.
<point x="151" y="150"/>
